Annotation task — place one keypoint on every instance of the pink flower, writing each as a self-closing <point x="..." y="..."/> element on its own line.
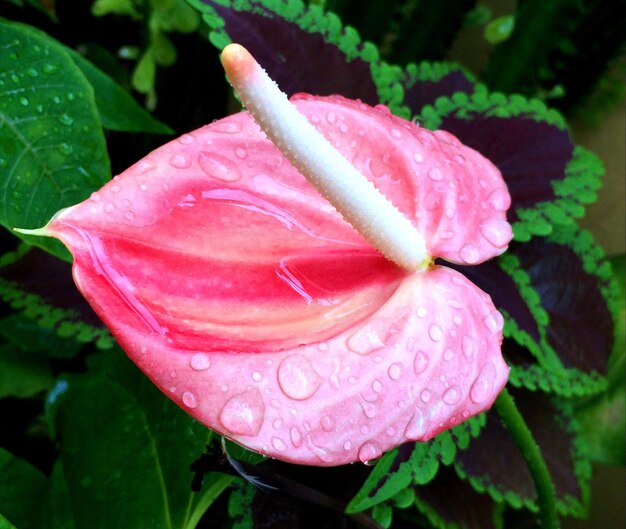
<point x="252" y="304"/>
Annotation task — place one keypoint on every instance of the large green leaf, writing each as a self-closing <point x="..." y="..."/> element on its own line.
<point x="114" y="414"/>
<point x="118" y="110"/>
<point x="23" y="373"/>
<point x="22" y="488"/>
<point x="53" y="152"/>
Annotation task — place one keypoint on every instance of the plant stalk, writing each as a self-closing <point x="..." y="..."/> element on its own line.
<point x="523" y="437"/>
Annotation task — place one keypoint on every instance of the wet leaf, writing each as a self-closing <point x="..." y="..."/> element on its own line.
<point x="22" y="489"/>
<point x="46" y="104"/>
<point x="284" y="37"/>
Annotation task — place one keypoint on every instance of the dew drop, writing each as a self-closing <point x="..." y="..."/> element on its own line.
<point x="244" y="413"/>
<point x="377" y="386"/>
<point x="452" y="395"/>
<point x="297" y="377"/>
<point x="422" y="312"/>
<point x="295" y="436"/>
<point x="66" y="149"/>
<point x="497" y="232"/>
<point x="494" y="321"/>
<point x="435" y="333"/>
<point x="279" y="444"/>
<point x="49" y="68"/>
<point x="228" y="127"/>
<point x="418" y="157"/>
<point x="347" y="445"/>
<point x="420" y="362"/>
<point x="95" y="197"/>
<point x="499" y="199"/>
<point x="180" y="161"/>
<point x="218" y="167"/>
<point x="66" y="120"/>
<point x="277" y="424"/>
<point x="24" y="101"/>
<point x="200" y="362"/>
<point x="257" y="376"/>
<point x="426" y="395"/>
<point x="367" y="339"/>
<point x="369" y="409"/>
<point x="435" y="174"/>
<point x="469" y="254"/>
<point x="241" y="153"/>
<point x="448" y="355"/>
<point x="327" y="423"/>
<point x="129" y="216"/>
<point x="483" y="385"/>
<point x="190" y="400"/>
<point x="368" y="452"/>
<point x="186" y="139"/>
<point x="468" y="346"/>
<point x="331" y="117"/>
<point x="395" y="371"/>
<point x="396" y="134"/>
<point x="459" y="159"/>
<point x="416" y="426"/>
<point x="109" y="207"/>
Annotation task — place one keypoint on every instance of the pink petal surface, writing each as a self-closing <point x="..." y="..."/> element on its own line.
<point x="252" y="304"/>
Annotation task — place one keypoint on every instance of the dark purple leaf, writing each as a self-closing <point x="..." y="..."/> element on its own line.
<point x="581" y="326"/>
<point x="428" y="81"/>
<point x="42" y="286"/>
<point x="299" y="60"/>
<point x="531" y="154"/>
<point x="502" y="470"/>
<point x="449" y="502"/>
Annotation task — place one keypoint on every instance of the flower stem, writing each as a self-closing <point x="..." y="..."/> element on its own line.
<point x="515" y="424"/>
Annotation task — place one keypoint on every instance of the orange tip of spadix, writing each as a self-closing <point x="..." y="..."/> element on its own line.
<point x="238" y="63"/>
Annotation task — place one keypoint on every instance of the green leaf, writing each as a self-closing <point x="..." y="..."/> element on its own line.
<point x="414" y="463"/>
<point x="53" y="149"/>
<point x="118" y="110"/>
<point x="5" y="524"/>
<point x="144" y="75"/>
<point x="23" y="373"/>
<point x="117" y="7"/>
<point x="22" y="488"/>
<point x="499" y="29"/>
<point x="115" y="401"/>
<point x="28" y="335"/>
<point x="240" y="505"/>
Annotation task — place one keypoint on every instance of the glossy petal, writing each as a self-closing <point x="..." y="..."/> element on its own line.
<point x="251" y="303"/>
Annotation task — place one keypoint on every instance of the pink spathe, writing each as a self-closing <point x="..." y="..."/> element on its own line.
<point x="253" y="305"/>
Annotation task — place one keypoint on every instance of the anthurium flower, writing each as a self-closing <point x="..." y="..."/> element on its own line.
<point x="252" y="303"/>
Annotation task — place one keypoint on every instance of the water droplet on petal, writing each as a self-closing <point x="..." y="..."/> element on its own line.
<point x="420" y="362"/>
<point x="244" y="413"/>
<point x="186" y="139"/>
<point x="494" y="321"/>
<point x="499" y="199"/>
<point x="497" y="232"/>
<point x="416" y="427"/>
<point x="218" y="167"/>
<point x="483" y="385"/>
<point x="368" y="452"/>
<point x="241" y="153"/>
<point x="418" y="157"/>
<point x="435" y="332"/>
<point x="279" y="444"/>
<point x="297" y="377"/>
<point x="396" y="134"/>
<point x="180" y="161"/>
<point x="257" y="376"/>
<point x="468" y="346"/>
<point x="327" y="423"/>
<point x="367" y="339"/>
<point x="347" y="445"/>
<point x="435" y="174"/>
<point x="296" y="437"/>
<point x="228" y="127"/>
<point x="369" y="409"/>
<point x="200" y="362"/>
<point x="425" y="395"/>
<point x="331" y="117"/>
<point x="469" y="254"/>
<point x="395" y="371"/>
<point x="190" y="400"/>
<point x="452" y="395"/>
